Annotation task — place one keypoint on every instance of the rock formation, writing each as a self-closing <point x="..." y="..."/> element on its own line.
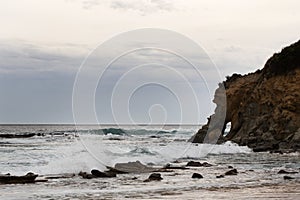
<point x="154" y="177"/>
<point x="9" y="179"/>
<point x="263" y="107"/>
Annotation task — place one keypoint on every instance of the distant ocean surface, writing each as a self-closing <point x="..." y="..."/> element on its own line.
<point x="57" y="149"/>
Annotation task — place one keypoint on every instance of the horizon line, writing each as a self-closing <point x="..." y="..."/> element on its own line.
<point x="104" y="124"/>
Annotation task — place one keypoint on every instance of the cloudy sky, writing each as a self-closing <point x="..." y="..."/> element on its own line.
<point x="44" y="43"/>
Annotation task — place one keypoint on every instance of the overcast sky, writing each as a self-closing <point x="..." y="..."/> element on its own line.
<point x="43" y="44"/>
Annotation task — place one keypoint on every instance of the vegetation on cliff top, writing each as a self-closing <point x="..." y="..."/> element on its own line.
<point x="280" y="63"/>
<point x="285" y="61"/>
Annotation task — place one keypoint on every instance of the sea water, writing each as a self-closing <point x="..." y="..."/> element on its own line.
<point x="58" y="149"/>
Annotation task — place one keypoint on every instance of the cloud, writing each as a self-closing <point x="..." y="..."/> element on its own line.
<point x="36" y="81"/>
<point x="233" y="58"/>
<point x="88" y="4"/>
<point x="19" y="57"/>
<point x="233" y="49"/>
<point x="142" y="7"/>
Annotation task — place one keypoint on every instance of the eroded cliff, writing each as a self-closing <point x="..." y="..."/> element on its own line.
<point x="263" y="107"/>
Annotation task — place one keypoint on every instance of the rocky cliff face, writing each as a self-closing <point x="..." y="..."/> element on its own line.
<point x="263" y="107"/>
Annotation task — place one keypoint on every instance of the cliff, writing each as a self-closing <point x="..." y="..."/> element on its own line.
<point x="263" y="107"/>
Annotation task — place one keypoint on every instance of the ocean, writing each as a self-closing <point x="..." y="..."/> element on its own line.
<point x="61" y="149"/>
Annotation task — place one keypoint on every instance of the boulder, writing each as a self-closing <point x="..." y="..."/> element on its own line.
<point x="194" y="164"/>
<point x="99" y="174"/>
<point x="206" y="164"/>
<point x="154" y="177"/>
<point x="196" y="175"/>
<point x="86" y="175"/>
<point x="133" y="167"/>
<point x="231" y="172"/>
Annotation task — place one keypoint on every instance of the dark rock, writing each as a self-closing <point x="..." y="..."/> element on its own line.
<point x="263" y="107"/>
<point x="8" y="179"/>
<point x="86" y="175"/>
<point x="12" y="135"/>
<point x="231" y="172"/>
<point x="194" y="164"/>
<point x="154" y="177"/>
<point x="286" y="172"/>
<point x="154" y="136"/>
<point x="81" y="173"/>
<point x="196" y="175"/>
<point x="134" y="167"/>
<point x="115" y="138"/>
<point x="205" y="164"/>
<point x="230" y="167"/>
<point x="30" y="174"/>
<point x="41" y="180"/>
<point x="288" y="178"/>
<point x="169" y="166"/>
<point x="209" y="133"/>
<point x="277" y="151"/>
<point x="220" y="176"/>
<point x="262" y="148"/>
<point x="60" y="176"/>
<point x="100" y="174"/>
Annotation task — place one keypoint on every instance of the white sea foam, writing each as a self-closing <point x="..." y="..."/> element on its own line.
<point x="62" y="154"/>
<point x="59" y="154"/>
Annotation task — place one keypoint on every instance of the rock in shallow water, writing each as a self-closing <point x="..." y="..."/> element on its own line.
<point x="60" y="176"/>
<point x="286" y="172"/>
<point x="86" y="175"/>
<point x="154" y="177"/>
<point x="196" y="175"/>
<point x="231" y="172"/>
<point x="288" y="178"/>
<point x="206" y="164"/>
<point x="100" y="174"/>
<point x="8" y="179"/>
<point x="194" y="164"/>
<point x="134" y="167"/>
<point x="198" y="164"/>
<point x="169" y="166"/>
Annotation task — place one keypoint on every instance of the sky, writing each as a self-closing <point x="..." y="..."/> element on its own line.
<point x="45" y="44"/>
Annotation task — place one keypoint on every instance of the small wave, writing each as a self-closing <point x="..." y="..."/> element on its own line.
<point x="127" y="132"/>
<point x="166" y="132"/>
<point x="142" y="150"/>
<point x="113" y="131"/>
<point x="105" y="131"/>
